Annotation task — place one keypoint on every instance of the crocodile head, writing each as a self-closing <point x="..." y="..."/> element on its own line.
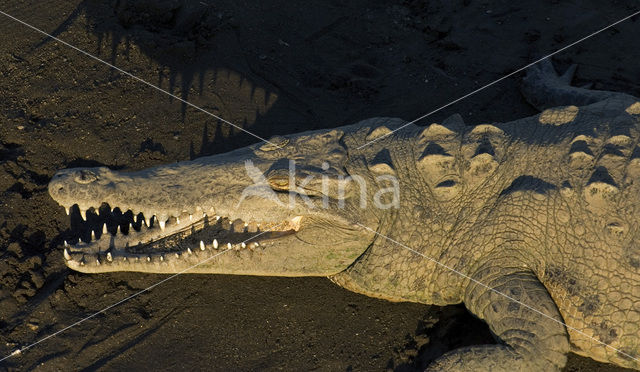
<point x="288" y="207"/>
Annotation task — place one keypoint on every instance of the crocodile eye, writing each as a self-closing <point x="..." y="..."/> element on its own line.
<point x="278" y="179"/>
<point x="85" y="176"/>
<point x="274" y="143"/>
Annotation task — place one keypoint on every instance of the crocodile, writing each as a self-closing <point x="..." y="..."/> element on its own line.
<point x="531" y="224"/>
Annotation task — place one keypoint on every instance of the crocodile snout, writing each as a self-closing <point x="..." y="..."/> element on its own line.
<point x="85" y="176"/>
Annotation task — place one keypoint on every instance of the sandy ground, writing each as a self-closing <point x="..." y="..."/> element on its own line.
<point x="271" y="67"/>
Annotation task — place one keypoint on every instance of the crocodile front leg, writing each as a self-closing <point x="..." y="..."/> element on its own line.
<point x="529" y="341"/>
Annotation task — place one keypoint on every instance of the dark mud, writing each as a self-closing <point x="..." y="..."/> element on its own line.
<point x="271" y="67"/>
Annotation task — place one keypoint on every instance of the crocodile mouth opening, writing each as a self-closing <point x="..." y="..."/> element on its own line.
<point x="105" y="235"/>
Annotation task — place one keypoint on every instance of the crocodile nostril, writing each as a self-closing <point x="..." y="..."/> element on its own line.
<point x="85" y="176"/>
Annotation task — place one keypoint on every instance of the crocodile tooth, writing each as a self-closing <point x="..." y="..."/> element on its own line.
<point x="201" y="245"/>
<point x="98" y="261"/>
<point x="93" y="235"/>
<point x="178" y="220"/>
<point x="256" y="244"/>
<point x="149" y="258"/>
<point x="82" y="263"/>
<point x="177" y="255"/>
<point x="67" y="256"/>
<point x="228" y="245"/>
<point x="190" y="217"/>
<point x="161" y="258"/>
<point x="66" y="209"/>
<point x="215" y="243"/>
<point x="104" y="228"/>
<point x="124" y="258"/>
<point x="189" y="250"/>
<point x="65" y="243"/>
<point x="162" y="224"/>
<point x="109" y="257"/>
<point x="217" y="218"/>
<point x="130" y="227"/>
<point x="83" y="214"/>
<point x="118" y="230"/>
<point x="243" y="245"/>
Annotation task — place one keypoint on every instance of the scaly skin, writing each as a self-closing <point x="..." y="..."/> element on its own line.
<point x="532" y="224"/>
